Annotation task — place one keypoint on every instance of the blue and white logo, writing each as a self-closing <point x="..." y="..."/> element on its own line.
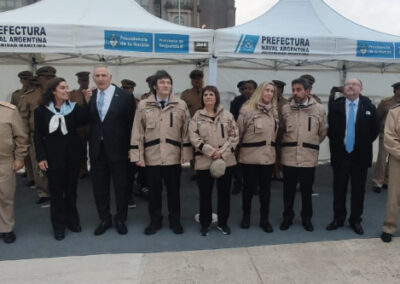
<point x="247" y="44"/>
<point x="375" y="49"/>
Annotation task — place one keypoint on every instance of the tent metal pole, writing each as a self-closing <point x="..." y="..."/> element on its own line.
<point x="344" y="73"/>
<point x="212" y="71"/>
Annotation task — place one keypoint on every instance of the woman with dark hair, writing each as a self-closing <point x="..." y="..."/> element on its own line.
<point x="214" y="135"/>
<point x="258" y="126"/>
<point x="59" y="152"/>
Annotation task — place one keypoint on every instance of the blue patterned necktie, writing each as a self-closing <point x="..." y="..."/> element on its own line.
<point x="350" y="129"/>
<point x="100" y="103"/>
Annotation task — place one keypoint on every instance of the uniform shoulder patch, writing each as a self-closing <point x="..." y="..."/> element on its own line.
<point x="7" y="104"/>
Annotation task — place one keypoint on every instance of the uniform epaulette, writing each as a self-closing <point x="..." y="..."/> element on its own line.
<point x="395" y="106"/>
<point x="7" y="104"/>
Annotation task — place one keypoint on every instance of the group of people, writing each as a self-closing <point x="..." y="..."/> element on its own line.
<point x="263" y="136"/>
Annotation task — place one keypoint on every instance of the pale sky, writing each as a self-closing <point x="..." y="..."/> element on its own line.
<point x="381" y="15"/>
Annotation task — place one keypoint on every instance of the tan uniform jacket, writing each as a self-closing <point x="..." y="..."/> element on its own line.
<point x="14" y="140"/>
<point x="29" y="102"/>
<point x="303" y="130"/>
<point x="16" y="96"/>
<point x="383" y="108"/>
<point x="392" y="133"/>
<point x="192" y="98"/>
<point x="79" y="97"/>
<point x="257" y="129"/>
<point x="145" y="96"/>
<point x="208" y="135"/>
<point x="160" y="136"/>
<point x="316" y="98"/>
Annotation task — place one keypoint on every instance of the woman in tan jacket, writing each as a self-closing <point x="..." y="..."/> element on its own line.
<point x="214" y="135"/>
<point x="258" y="126"/>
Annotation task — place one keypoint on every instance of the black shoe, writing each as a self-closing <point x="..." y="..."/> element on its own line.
<point x="204" y="231"/>
<point x="266" y="226"/>
<point x="308" y="226"/>
<point x="334" y="225"/>
<point x="177" y="228"/>
<point x="75" y="228"/>
<point x="224" y="229"/>
<point x="120" y="227"/>
<point x="377" y="189"/>
<point x="386" y="237"/>
<point x="245" y="224"/>
<point x="42" y="200"/>
<point x="286" y="223"/>
<point x="357" y="228"/>
<point x="236" y="190"/>
<point x="30" y="183"/>
<point x="59" y="236"/>
<point x="152" y="228"/>
<point x="132" y="204"/>
<point x="104" y="226"/>
<point x="9" y="237"/>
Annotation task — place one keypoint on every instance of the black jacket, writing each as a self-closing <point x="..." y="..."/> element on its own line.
<point x="115" y="129"/>
<point x="236" y="105"/>
<point x="366" y="131"/>
<point x="60" y="151"/>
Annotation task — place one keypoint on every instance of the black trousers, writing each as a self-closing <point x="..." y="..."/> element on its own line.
<point x="292" y="176"/>
<point x="349" y="169"/>
<point x="257" y="176"/>
<point x="238" y="176"/>
<point x="63" y="184"/>
<point x="171" y="177"/>
<point x="102" y="170"/>
<point x="205" y="183"/>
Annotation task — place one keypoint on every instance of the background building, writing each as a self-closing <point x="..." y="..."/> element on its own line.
<point x="210" y="14"/>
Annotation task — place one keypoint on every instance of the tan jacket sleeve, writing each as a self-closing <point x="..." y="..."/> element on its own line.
<point x="233" y="138"/>
<point x="392" y="137"/>
<point x="20" y="135"/>
<point x="323" y="130"/>
<point x="196" y="140"/>
<point x="136" y="152"/>
<point x="187" y="150"/>
<point x="242" y="124"/>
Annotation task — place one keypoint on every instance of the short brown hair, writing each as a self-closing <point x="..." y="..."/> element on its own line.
<point x="216" y="93"/>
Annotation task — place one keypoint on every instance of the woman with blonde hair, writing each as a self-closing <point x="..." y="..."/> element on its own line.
<point x="258" y="125"/>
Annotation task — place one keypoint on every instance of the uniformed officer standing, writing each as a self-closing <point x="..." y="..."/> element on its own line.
<point x="14" y="145"/>
<point x="160" y="141"/>
<point x="192" y="97"/>
<point x="24" y="79"/>
<point x="281" y="100"/>
<point x="27" y="106"/>
<point x="392" y="145"/>
<point x="304" y="128"/>
<point x="16" y="96"/>
<point x="78" y="96"/>
<point x="311" y="81"/>
<point x="129" y="86"/>
<point x="381" y="171"/>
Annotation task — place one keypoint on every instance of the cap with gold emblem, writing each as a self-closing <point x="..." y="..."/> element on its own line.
<point x="308" y="78"/>
<point x="127" y="84"/>
<point x="46" y="71"/>
<point x="396" y="86"/>
<point x="196" y="74"/>
<point x="279" y="84"/>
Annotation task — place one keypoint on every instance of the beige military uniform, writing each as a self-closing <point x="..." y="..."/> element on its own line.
<point x="304" y="128"/>
<point x="79" y="97"/>
<point x="277" y="173"/>
<point x="29" y="102"/>
<point x="14" y="145"/>
<point x="16" y="96"/>
<point x="316" y="98"/>
<point x="392" y="145"/>
<point x="257" y="130"/>
<point x="145" y="96"/>
<point x="208" y="135"/>
<point x="381" y="169"/>
<point x="160" y="136"/>
<point x="192" y="98"/>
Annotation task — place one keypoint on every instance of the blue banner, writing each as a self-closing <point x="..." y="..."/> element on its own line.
<point x="397" y="50"/>
<point x="247" y="44"/>
<point x="128" y="41"/>
<point x="375" y="49"/>
<point x="171" y="43"/>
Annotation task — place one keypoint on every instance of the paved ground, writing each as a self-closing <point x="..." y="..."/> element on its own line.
<point x="35" y="238"/>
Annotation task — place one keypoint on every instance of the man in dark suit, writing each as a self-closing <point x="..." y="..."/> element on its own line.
<point x="353" y="126"/>
<point x="111" y="116"/>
